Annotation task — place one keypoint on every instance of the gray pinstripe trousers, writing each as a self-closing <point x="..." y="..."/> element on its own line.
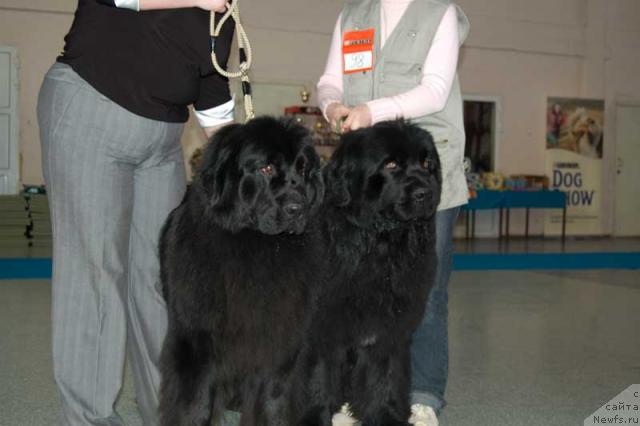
<point x="112" y="179"/>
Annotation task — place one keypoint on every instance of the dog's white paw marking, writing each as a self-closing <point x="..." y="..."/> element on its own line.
<point x="423" y="415"/>
<point x="344" y="417"/>
<point x="369" y="341"/>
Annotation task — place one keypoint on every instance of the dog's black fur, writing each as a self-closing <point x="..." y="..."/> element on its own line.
<point x="382" y="189"/>
<point x="238" y="275"/>
<point x="283" y="319"/>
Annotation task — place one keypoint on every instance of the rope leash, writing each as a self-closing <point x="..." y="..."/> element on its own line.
<point x="246" y="54"/>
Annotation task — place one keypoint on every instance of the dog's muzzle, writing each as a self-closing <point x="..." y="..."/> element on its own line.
<point x="419" y="195"/>
<point x="417" y="202"/>
<point x="294" y="212"/>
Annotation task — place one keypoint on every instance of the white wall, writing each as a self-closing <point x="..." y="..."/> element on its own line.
<point x="520" y="51"/>
<point x="524" y="51"/>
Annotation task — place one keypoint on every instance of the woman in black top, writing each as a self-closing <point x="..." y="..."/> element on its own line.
<point x="111" y="114"/>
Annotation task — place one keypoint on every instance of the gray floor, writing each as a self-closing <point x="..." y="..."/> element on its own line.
<point x="527" y="348"/>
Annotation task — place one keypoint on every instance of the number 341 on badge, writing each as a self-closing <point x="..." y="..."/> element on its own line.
<point x="357" y="51"/>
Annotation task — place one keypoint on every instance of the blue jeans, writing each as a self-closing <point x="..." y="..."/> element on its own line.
<point x="430" y="348"/>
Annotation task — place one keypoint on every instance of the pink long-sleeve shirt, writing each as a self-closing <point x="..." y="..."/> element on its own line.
<point x="439" y="69"/>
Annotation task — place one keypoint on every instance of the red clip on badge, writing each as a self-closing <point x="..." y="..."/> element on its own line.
<point x="357" y="51"/>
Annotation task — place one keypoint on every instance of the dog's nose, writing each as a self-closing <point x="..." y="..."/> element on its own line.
<point x="294" y="180"/>
<point x="419" y="195"/>
<point x="293" y="209"/>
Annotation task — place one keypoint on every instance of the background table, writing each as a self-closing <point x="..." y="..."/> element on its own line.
<point x="507" y="200"/>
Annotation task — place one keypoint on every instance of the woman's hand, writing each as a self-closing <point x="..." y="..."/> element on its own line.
<point x="358" y="118"/>
<point x="212" y="5"/>
<point x="335" y="113"/>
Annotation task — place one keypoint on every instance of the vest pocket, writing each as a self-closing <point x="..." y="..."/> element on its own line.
<point x="445" y="155"/>
<point x="442" y="146"/>
<point x="358" y="88"/>
<point x="395" y="71"/>
<point x="398" y="77"/>
<point x="402" y="68"/>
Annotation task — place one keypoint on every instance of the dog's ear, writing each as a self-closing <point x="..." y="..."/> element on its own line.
<point x="214" y="171"/>
<point x="315" y="181"/>
<point x="336" y="182"/>
<point x="426" y="139"/>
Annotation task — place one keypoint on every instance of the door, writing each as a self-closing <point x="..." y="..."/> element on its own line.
<point x="628" y="173"/>
<point x="482" y="127"/>
<point x="9" y="169"/>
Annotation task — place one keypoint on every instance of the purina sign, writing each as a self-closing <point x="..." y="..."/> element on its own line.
<point x="574" y="145"/>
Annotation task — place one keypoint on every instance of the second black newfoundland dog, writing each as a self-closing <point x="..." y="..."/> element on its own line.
<point x="382" y="190"/>
<point x="238" y="274"/>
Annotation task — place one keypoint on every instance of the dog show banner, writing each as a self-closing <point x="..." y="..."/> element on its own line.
<point x="574" y="144"/>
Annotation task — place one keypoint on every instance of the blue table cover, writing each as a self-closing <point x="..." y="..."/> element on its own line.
<point x="487" y="199"/>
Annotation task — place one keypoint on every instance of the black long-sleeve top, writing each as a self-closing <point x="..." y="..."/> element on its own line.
<point x="153" y="63"/>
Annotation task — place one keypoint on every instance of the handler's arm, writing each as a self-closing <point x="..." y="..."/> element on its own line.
<point x="329" y="86"/>
<point x="214" y="5"/>
<point x="214" y="106"/>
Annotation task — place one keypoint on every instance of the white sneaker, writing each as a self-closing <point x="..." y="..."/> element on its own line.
<point x="344" y="417"/>
<point x="423" y="415"/>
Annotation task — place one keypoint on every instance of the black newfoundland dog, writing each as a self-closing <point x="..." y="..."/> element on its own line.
<point x="238" y="275"/>
<point x="378" y="221"/>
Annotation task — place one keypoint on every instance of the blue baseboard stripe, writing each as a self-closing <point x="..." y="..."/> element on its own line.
<point x="563" y="261"/>
<point x="40" y="268"/>
<point x="25" y="269"/>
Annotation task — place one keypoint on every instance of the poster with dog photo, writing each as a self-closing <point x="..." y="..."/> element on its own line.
<point x="574" y="142"/>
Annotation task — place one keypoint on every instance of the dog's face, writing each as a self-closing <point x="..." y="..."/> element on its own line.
<point x="263" y="175"/>
<point x="586" y="132"/>
<point x="385" y="175"/>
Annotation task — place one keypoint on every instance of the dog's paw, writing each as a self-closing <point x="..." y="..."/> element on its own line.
<point x="423" y="415"/>
<point x="344" y="417"/>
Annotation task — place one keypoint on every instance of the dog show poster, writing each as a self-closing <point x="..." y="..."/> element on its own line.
<point x="575" y="136"/>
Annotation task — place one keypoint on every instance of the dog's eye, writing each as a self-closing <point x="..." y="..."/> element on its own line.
<point x="391" y="165"/>
<point x="267" y="170"/>
<point x="425" y="164"/>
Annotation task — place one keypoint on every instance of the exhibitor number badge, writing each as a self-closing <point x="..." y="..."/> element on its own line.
<point x="357" y="51"/>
